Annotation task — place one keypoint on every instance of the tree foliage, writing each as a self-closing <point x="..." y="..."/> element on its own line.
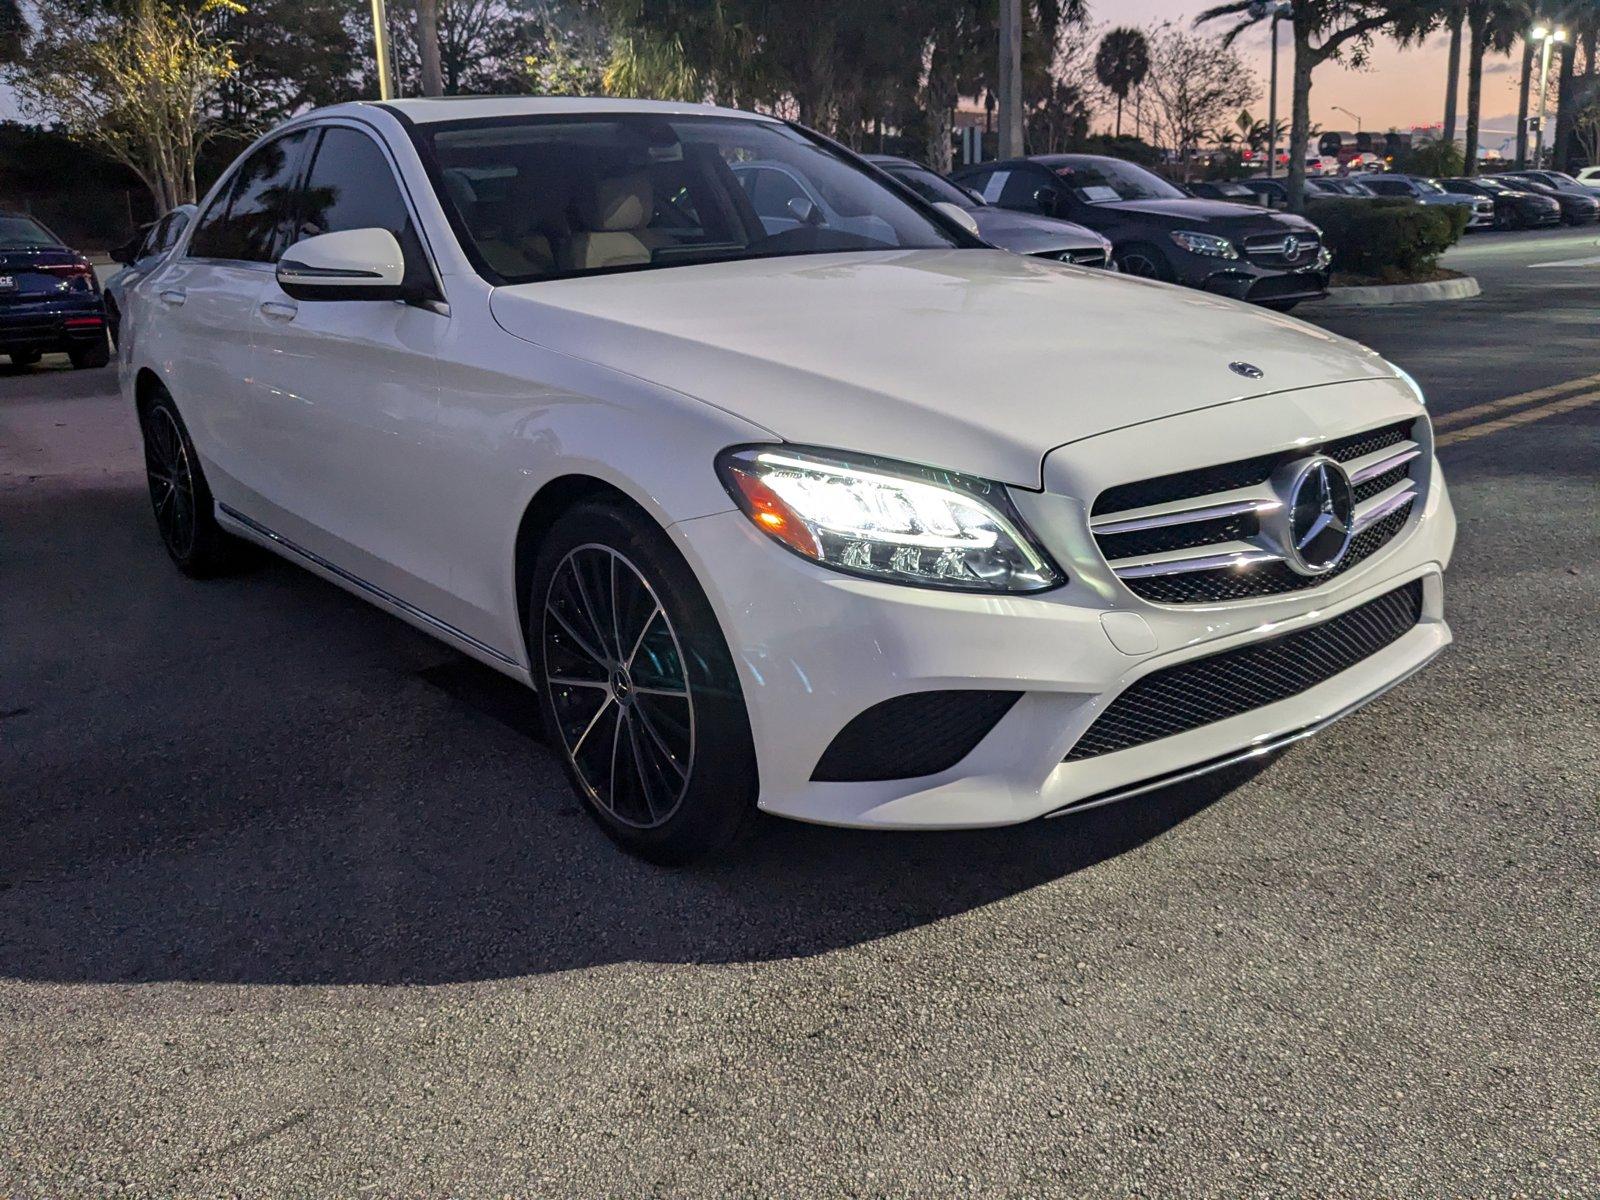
<point x="1327" y="31"/>
<point x="1121" y="64"/>
<point x="135" y="83"/>
<point x="1194" y="85"/>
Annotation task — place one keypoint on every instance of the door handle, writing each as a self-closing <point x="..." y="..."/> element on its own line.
<point x="174" y="297"/>
<point x="279" y="310"/>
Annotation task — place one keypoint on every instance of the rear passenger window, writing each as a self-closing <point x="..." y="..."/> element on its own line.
<point x="246" y="221"/>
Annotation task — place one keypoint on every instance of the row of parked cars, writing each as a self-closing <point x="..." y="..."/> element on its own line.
<point x="1228" y="237"/>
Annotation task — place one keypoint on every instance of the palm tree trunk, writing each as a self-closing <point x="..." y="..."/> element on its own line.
<point x="1477" y="46"/>
<point x="1452" y="77"/>
<point x="1300" y="124"/>
<point x="1522" y="105"/>
<point x="428" y="47"/>
<point x="1566" y="117"/>
<point x="1119" y="116"/>
<point x="941" y="102"/>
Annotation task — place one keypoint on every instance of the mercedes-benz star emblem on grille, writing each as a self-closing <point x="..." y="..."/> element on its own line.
<point x="1248" y="370"/>
<point x="1291" y="246"/>
<point x="1317" y="519"/>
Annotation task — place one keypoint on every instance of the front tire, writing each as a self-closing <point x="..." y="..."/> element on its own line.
<point x="184" y="510"/>
<point x="637" y="687"/>
<point x="1144" y="261"/>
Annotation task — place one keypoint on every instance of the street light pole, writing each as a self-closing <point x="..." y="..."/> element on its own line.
<point x="380" y="46"/>
<point x="1549" y="37"/>
<point x="1279" y="10"/>
<point x="1347" y="113"/>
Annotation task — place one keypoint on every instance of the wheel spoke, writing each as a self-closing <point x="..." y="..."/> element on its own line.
<point x="577" y="747"/>
<point x="583" y="642"/>
<point x="570" y="681"/>
<point x="616" y="745"/>
<point x="591" y="612"/>
<point x="640" y="769"/>
<point x="660" y="743"/>
<point x="655" y="612"/>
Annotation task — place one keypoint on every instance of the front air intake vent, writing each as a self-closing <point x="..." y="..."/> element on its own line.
<point x="908" y="736"/>
<point x="1206" y="690"/>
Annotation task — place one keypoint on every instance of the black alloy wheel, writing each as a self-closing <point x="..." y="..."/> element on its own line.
<point x="179" y="497"/>
<point x="638" y="690"/>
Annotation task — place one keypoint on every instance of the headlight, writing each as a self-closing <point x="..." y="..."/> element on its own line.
<point x="1416" y="388"/>
<point x="888" y="520"/>
<point x="1208" y="244"/>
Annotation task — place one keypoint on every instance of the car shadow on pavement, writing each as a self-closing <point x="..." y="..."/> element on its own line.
<point x="264" y="780"/>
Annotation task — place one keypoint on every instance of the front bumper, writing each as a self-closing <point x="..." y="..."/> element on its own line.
<point x="815" y="649"/>
<point x="1260" y="285"/>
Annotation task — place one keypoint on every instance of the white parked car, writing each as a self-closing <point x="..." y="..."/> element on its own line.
<point x="876" y="528"/>
<point x="1590" y="177"/>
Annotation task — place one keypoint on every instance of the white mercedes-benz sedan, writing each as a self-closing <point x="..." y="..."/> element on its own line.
<point x="838" y="514"/>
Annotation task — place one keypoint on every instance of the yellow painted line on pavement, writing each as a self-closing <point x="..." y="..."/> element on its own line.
<point x="1466" y="416"/>
<point x="1526" y="417"/>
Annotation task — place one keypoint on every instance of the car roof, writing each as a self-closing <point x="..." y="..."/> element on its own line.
<point x="895" y="160"/>
<point x="429" y="110"/>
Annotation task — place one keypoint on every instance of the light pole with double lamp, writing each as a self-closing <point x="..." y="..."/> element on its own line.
<point x="1280" y="10"/>
<point x="1549" y="36"/>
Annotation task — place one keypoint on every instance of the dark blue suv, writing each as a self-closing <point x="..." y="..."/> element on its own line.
<point x="50" y="300"/>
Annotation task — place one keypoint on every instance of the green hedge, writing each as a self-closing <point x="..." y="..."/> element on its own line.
<point x="1389" y="238"/>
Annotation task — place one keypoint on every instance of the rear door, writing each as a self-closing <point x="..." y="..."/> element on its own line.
<point x="203" y="313"/>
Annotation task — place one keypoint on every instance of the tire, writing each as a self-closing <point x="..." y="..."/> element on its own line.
<point x="25" y="358"/>
<point x="113" y="322"/>
<point x="1144" y="261"/>
<point x="179" y="496"/>
<point x="637" y="688"/>
<point x="96" y="354"/>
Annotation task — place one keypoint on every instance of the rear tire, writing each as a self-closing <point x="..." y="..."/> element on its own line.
<point x="184" y="510"/>
<point x="96" y="354"/>
<point x="113" y="322"/>
<point x="25" y="358"/>
<point x="1144" y="261"/>
<point x="637" y="687"/>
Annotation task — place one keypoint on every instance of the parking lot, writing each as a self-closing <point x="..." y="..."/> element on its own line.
<point x="293" y="898"/>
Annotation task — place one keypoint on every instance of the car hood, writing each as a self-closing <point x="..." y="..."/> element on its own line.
<point x="1220" y="214"/>
<point x="972" y="360"/>
<point x="1024" y="233"/>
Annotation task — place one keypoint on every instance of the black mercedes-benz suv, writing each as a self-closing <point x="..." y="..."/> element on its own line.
<point x="1159" y="232"/>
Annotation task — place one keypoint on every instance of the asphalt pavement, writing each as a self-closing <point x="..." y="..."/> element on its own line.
<point x="294" y="901"/>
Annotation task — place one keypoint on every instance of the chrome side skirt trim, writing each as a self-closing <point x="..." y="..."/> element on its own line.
<point x="1256" y="750"/>
<point x="371" y="589"/>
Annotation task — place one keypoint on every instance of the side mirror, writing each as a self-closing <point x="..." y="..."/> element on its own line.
<point x="1046" y="198"/>
<point x="354" y="264"/>
<point x="128" y="253"/>
<point x="959" y="215"/>
<point x="804" y="211"/>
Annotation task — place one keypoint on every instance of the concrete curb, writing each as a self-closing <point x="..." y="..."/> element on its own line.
<point x="1405" y="293"/>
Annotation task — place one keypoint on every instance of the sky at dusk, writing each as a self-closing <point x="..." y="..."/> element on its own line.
<point x="1400" y="89"/>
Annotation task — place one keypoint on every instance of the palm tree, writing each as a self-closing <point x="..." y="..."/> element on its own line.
<point x="1121" y="64"/>
<point x="1491" y="25"/>
<point x="1455" y="17"/>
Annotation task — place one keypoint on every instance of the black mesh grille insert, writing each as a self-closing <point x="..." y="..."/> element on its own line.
<point x="1205" y="690"/>
<point x="1265" y="579"/>
<point x="920" y="734"/>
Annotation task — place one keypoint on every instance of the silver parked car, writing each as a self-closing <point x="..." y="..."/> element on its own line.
<point x="139" y="255"/>
<point x="1018" y="232"/>
<point x="1430" y="191"/>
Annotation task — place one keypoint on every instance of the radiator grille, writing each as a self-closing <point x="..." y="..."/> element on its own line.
<point x="1126" y="533"/>
<point x="1207" y="690"/>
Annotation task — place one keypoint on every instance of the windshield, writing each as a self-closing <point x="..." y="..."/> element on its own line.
<point x="554" y="197"/>
<point x="931" y="187"/>
<point x="1429" y="186"/>
<point x="25" y="231"/>
<point x="1107" y="180"/>
<point x="1233" y="189"/>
